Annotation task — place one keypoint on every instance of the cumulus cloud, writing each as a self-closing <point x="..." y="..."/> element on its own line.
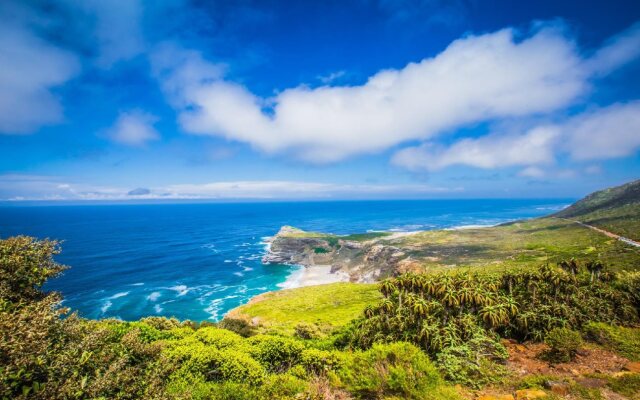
<point x="26" y="187"/>
<point x="133" y="128"/>
<point x="597" y="134"/>
<point x="604" y="133"/>
<point x="476" y="78"/>
<point x="492" y="151"/>
<point x="31" y="70"/>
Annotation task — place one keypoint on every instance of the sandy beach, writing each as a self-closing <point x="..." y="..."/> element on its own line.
<point x="316" y="275"/>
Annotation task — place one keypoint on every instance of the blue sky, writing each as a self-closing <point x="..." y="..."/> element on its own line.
<point x="132" y="99"/>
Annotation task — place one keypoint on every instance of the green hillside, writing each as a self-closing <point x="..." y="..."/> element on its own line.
<point x="615" y="209"/>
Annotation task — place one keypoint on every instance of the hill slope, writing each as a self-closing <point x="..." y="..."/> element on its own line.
<point x="517" y="244"/>
<point x="607" y="199"/>
<point x="615" y="209"/>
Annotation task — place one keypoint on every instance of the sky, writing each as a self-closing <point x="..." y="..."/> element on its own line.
<point x="363" y="99"/>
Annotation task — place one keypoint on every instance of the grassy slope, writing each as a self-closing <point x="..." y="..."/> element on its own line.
<point x="615" y="209"/>
<point x="330" y="306"/>
<point x="519" y="244"/>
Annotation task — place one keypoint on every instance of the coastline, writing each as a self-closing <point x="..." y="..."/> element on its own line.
<point x="311" y="276"/>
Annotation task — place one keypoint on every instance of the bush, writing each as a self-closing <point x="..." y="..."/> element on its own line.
<point x="25" y="265"/>
<point x="563" y="344"/>
<point x="220" y="365"/>
<point x="319" y="361"/>
<point x="276" y="353"/>
<point x="397" y="369"/>
<point x="239" y="326"/>
<point x="219" y="338"/>
<point x="475" y="363"/>
<point x="307" y="331"/>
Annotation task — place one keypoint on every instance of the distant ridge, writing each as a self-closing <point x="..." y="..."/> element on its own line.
<point x="606" y="199"/>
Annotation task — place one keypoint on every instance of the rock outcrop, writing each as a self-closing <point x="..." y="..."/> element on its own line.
<point x="363" y="260"/>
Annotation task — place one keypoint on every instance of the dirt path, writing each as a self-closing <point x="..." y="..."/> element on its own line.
<point x="607" y="233"/>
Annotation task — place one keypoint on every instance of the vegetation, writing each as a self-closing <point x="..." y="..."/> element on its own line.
<point x="410" y="337"/>
<point x="521" y="244"/>
<point x="615" y="209"/>
<point x="44" y="356"/>
<point x="563" y="344"/>
<point x="324" y="307"/>
<point x="462" y="315"/>
<point x="622" y="340"/>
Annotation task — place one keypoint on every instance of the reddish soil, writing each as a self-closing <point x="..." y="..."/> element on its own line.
<point x="524" y="359"/>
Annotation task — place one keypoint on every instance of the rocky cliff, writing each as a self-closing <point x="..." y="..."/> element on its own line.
<point x="364" y="260"/>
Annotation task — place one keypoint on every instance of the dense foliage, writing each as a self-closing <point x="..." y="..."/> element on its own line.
<point x="48" y="353"/>
<point x="462" y="315"/>
<point x="425" y="327"/>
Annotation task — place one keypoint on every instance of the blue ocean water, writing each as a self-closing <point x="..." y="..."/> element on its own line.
<point x="197" y="261"/>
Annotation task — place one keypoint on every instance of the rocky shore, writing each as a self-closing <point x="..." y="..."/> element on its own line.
<point x="363" y="260"/>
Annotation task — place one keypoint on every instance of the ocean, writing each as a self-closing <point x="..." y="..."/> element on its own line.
<point x="198" y="261"/>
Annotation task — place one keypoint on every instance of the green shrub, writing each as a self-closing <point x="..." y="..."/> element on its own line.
<point x="220" y="365"/>
<point x="319" y="361"/>
<point x="25" y="265"/>
<point x="239" y="326"/>
<point x="276" y="353"/>
<point x="304" y="330"/>
<point x="563" y="344"/>
<point x="440" y="310"/>
<point x="397" y="369"/>
<point x="475" y="363"/>
<point x="162" y="323"/>
<point x="219" y="338"/>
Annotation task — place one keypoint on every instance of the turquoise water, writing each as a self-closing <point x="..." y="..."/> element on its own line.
<point x="197" y="261"/>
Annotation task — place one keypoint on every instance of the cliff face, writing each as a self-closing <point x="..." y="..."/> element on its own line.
<point x="363" y="260"/>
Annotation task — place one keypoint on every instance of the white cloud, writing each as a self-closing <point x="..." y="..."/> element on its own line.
<point x="618" y="51"/>
<point x="477" y="78"/>
<point x="532" y="172"/>
<point x="593" y="170"/>
<point x="133" y="128"/>
<point x="26" y="187"/>
<point x="116" y="28"/>
<point x="31" y="70"/>
<point x="491" y="151"/>
<point x="598" y="134"/>
<point x="604" y="133"/>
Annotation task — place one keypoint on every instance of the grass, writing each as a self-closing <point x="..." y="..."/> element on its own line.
<point x="623" y="340"/>
<point x="329" y="306"/>
<point x="624" y="220"/>
<point x="362" y="237"/>
<point x="519" y="244"/>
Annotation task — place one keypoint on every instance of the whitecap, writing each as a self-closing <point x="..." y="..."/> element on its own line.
<point x="154" y="296"/>
<point x="238" y="274"/>
<point x="181" y="289"/>
<point x="107" y="304"/>
<point x="118" y="295"/>
<point x="228" y="261"/>
<point x="157" y="308"/>
<point x="213" y="309"/>
<point x="137" y="284"/>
